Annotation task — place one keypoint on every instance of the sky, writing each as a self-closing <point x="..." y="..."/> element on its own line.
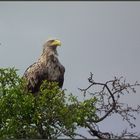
<point x="98" y="37"/>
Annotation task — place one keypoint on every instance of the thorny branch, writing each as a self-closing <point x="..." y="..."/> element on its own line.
<point x="109" y="103"/>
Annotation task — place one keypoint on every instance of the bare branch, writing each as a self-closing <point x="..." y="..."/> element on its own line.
<point x="109" y="103"/>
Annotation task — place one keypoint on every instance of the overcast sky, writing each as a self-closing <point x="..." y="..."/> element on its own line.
<point x="98" y="37"/>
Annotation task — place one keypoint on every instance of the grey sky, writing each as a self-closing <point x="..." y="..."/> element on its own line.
<point x="98" y="37"/>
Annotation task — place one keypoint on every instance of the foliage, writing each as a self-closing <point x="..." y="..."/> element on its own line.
<point x="50" y="114"/>
<point x="53" y="113"/>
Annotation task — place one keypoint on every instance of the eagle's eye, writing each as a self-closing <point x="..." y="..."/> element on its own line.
<point x="50" y="42"/>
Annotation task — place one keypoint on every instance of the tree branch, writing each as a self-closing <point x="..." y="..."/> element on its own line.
<point x="108" y="104"/>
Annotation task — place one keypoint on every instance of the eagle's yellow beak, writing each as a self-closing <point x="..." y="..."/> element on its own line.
<point x="56" y="43"/>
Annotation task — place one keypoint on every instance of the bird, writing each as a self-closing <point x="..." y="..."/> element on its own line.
<point x="47" y="67"/>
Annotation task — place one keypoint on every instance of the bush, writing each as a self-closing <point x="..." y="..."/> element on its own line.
<point x="50" y="114"/>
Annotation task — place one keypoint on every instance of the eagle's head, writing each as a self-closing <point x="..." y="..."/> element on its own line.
<point x="51" y="44"/>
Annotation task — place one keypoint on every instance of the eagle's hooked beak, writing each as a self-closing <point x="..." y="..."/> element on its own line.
<point x="56" y="43"/>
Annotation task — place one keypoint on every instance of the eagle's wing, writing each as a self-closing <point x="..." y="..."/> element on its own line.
<point x="33" y="74"/>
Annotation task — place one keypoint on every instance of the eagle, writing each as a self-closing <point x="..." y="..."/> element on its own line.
<point x="47" y="68"/>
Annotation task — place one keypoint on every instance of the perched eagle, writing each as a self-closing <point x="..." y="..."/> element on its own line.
<point x="47" y="68"/>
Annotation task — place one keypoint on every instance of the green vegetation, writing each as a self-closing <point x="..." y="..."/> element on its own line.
<point x="50" y="114"/>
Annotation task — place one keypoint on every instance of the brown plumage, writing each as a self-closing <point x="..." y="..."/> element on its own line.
<point x="47" y="68"/>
